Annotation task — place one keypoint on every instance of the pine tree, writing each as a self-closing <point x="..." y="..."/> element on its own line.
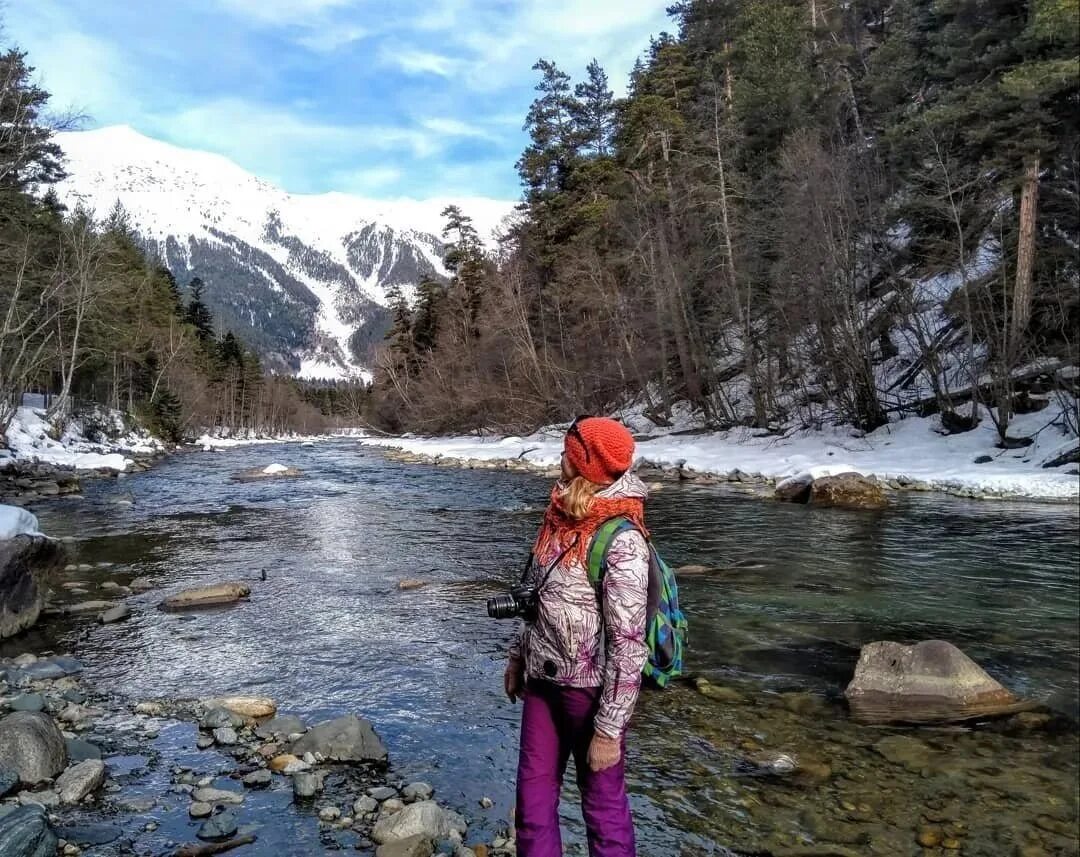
<point x="546" y="164"/>
<point x="198" y="313"/>
<point x="28" y="156"/>
<point x="594" y="111"/>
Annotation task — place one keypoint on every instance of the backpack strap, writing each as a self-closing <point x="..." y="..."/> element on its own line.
<point x="597" y="556"/>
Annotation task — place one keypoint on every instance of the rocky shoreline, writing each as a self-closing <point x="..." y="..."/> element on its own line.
<point x="65" y="752"/>
<point x="26" y="482"/>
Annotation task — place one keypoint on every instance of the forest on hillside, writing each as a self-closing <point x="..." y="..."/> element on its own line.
<point x="91" y="320"/>
<point x="801" y="213"/>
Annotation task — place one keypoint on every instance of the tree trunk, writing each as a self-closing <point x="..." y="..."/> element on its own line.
<point x="1025" y="256"/>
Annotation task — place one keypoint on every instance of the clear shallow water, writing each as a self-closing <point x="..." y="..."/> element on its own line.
<point x="328" y="632"/>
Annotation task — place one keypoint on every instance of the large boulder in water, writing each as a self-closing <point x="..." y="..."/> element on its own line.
<point x="930" y="682"/>
<point x="820" y="487"/>
<point x="346" y="739"/>
<point x="207" y="596"/>
<point x="424" y="818"/>
<point x="25" y="832"/>
<point x="26" y="564"/>
<point x="32" y="746"/>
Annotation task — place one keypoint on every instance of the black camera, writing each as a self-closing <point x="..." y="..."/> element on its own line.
<point x="522" y="600"/>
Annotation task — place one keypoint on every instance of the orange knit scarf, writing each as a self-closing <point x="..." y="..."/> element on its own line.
<point x="559" y="530"/>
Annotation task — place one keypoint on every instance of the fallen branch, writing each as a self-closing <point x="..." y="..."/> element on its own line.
<point x="213" y="848"/>
<point x="525" y="452"/>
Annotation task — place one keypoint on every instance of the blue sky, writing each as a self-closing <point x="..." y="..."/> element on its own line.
<point x="384" y="99"/>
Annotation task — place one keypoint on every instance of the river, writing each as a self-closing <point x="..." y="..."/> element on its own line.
<point x="778" y="626"/>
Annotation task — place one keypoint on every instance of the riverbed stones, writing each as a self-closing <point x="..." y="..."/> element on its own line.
<point x="281" y="727"/>
<point x="208" y="794"/>
<point x="220" y="826"/>
<point x="220" y="718"/>
<point x="930" y="682"/>
<point x="346" y="739"/>
<point x="150" y="709"/>
<point x="424" y="818"/>
<point x="80" y="780"/>
<point x="32" y="746"/>
<point x="142" y="584"/>
<point x="251" y="707"/>
<point x="207" y="596"/>
<point x="382" y="793"/>
<point x="305" y="784"/>
<point x="413" y="846"/>
<point x="25" y="832"/>
<point x="849" y="490"/>
<point x="26" y="564"/>
<point x="258" y="779"/>
<point x="416" y="791"/>
<point x="279" y="764"/>
<point x="27" y="702"/>
<point x="200" y="809"/>
<point x="115" y="614"/>
<point x="364" y="805"/>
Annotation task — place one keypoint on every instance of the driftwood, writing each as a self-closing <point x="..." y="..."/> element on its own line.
<point x="213" y="847"/>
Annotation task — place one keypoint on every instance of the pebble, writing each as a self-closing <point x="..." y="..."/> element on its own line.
<point x="150" y="709"/>
<point x="929" y="837"/>
<point x="220" y="826"/>
<point x="27" y="702"/>
<point x="204" y="742"/>
<point x="226" y="736"/>
<point x="365" y="805"/>
<point x="305" y="784"/>
<point x="486" y="802"/>
<point x="381" y="793"/>
<point x="205" y="794"/>
<point x="329" y="813"/>
<point x="391" y="805"/>
<point x="417" y="792"/>
<point x="70" y="850"/>
<point x="200" y="809"/>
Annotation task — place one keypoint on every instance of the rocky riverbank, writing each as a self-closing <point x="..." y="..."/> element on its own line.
<point x="25" y="482"/>
<point x="70" y="756"/>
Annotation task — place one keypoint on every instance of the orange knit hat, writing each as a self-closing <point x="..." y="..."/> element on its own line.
<point x="599" y="449"/>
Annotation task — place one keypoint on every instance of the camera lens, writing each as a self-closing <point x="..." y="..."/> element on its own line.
<point x="502" y="607"/>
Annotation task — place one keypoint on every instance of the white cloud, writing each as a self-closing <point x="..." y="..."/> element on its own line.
<point x="368" y="181"/>
<point x="413" y="61"/>
<point x="327" y="39"/>
<point x="456" y="128"/>
<point x="278" y="12"/>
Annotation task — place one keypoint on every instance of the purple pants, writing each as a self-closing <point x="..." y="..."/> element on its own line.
<point x="556" y="722"/>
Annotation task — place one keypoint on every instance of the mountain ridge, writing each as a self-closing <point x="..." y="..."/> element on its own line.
<point x="303" y="278"/>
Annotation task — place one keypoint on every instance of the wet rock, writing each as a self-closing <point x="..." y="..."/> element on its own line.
<point x="905" y="751"/>
<point x="220" y="718"/>
<point x="26" y="563"/>
<point x="424" y="818"/>
<point x="364" y="806"/>
<point x="46" y="798"/>
<point x="796" y="489"/>
<point x="691" y="570"/>
<point x="207" y="596"/>
<point x="280" y="727"/>
<point x="226" y="736"/>
<point x="718" y="693"/>
<point x="222" y="825"/>
<point x="346" y="739"/>
<point x="150" y="709"/>
<point x="279" y="763"/>
<point x="117" y="614"/>
<point x="199" y="809"/>
<point x="27" y="702"/>
<point x="411" y="584"/>
<point x="390" y="806"/>
<point x="417" y="791"/>
<point x="204" y="742"/>
<point x="90" y="834"/>
<point x="930" y="682"/>
<point x="258" y="779"/>
<point x="848" y="491"/>
<point x="305" y="784"/>
<point x="381" y="793"/>
<point x="142" y="584"/>
<point x="413" y="846"/>
<point x="32" y="746"/>
<point x="80" y="780"/>
<point x="79" y="750"/>
<point x="75" y="713"/>
<point x="329" y="813"/>
<point x="251" y="707"/>
<point x="8" y="781"/>
<point x="93" y="606"/>
<point x="26" y="833"/>
<point x="208" y="794"/>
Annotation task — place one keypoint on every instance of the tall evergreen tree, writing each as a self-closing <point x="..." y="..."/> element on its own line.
<point x="199" y="315"/>
<point x="594" y="111"/>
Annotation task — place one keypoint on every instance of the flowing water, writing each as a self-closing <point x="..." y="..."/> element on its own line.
<point x="776" y="628"/>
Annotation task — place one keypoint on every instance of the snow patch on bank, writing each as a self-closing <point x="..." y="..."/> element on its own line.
<point x="912" y="450"/>
<point x="29" y="438"/>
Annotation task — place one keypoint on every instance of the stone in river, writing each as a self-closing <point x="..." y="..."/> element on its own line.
<point x="96" y="606"/>
<point x="207" y="596"/>
<point x="117" y="614"/>
<point x="200" y="810"/>
<point x="329" y="813"/>
<point x="424" y="818"/>
<point x="142" y="584"/>
<point x="364" y="806"/>
<point x="26" y="563"/>
<point x="692" y="570"/>
<point x="279" y="763"/>
<point x="258" y="779"/>
<point x="220" y="826"/>
<point x="930" y="682"/>
<point x="848" y="491"/>
<point x="381" y="793"/>
<point x="204" y="742"/>
<point x="27" y="702"/>
<point x="32" y="746"/>
<point x="246" y="706"/>
<point x="219" y="718"/>
<point x="417" y="791"/>
<point x="25" y="832"/>
<point x="150" y="709"/>
<point x="305" y="784"/>
<point x="280" y="727"/>
<point x="226" y="736"/>
<point x="414" y="846"/>
<point x="410" y="583"/>
<point x="346" y="739"/>
<point x="207" y="794"/>
<point x="80" y="780"/>
<point x="8" y="781"/>
<point x="79" y="750"/>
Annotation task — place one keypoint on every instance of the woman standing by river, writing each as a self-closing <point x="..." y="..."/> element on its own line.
<point x="578" y="665"/>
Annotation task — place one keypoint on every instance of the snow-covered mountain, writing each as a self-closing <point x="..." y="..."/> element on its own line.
<point x="301" y="278"/>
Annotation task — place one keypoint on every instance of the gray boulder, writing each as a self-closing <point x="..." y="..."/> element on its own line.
<point x="26" y="565"/>
<point x="80" y="780"/>
<point x="26" y="833"/>
<point x="414" y="846"/>
<point x="930" y="682"/>
<point x="424" y="818"/>
<point x="281" y="727"/>
<point x="32" y="746"/>
<point x="207" y="596"/>
<point x="346" y="739"/>
<point x="115" y="614"/>
<point x="220" y="826"/>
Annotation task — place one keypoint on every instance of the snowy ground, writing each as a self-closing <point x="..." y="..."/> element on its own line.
<point x="28" y="439"/>
<point x="909" y="451"/>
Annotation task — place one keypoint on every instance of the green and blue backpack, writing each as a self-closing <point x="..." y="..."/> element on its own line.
<point x="665" y="624"/>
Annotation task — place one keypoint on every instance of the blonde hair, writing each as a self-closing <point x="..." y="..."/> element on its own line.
<point x="578" y="496"/>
